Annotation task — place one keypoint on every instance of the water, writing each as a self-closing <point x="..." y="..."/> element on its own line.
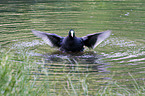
<point x="123" y="53"/>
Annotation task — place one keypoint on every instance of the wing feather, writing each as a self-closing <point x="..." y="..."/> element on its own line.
<point x="52" y="40"/>
<point x="93" y="40"/>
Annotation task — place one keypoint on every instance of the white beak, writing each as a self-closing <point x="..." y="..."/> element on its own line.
<point x="72" y="32"/>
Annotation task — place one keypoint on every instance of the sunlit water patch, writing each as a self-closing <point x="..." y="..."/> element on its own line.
<point x="27" y="44"/>
<point x="117" y="41"/>
<point x="129" y="49"/>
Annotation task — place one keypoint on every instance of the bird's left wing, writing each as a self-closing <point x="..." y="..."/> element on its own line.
<point x="92" y="40"/>
<point x="52" y="40"/>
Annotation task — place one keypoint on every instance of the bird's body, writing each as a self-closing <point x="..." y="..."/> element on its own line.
<point x="71" y="43"/>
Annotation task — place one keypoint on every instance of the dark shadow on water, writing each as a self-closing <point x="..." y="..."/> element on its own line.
<point x="72" y="58"/>
<point x="87" y="62"/>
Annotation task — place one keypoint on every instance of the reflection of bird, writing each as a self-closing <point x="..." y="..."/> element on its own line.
<point x="71" y="43"/>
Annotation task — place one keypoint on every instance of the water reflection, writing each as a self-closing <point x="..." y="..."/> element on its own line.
<point x="61" y="68"/>
<point x="87" y="62"/>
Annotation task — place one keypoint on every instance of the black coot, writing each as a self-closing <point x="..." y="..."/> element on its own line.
<point x="71" y="43"/>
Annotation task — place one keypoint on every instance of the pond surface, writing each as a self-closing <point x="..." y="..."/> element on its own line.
<point x="120" y="55"/>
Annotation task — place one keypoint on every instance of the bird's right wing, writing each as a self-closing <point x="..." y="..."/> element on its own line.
<point x="52" y="40"/>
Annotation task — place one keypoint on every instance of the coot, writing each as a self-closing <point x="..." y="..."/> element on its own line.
<point x="71" y="43"/>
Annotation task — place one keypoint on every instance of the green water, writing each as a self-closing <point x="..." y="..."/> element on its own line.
<point x="122" y="53"/>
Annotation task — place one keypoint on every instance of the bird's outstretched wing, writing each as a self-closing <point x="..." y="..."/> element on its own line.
<point x="52" y="40"/>
<point x="92" y="40"/>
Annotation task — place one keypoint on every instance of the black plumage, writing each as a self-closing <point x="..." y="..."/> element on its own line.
<point x="71" y="43"/>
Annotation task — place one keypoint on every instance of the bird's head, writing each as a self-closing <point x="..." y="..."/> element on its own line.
<point x="71" y="33"/>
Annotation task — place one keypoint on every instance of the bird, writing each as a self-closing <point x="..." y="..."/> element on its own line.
<point x="71" y="43"/>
